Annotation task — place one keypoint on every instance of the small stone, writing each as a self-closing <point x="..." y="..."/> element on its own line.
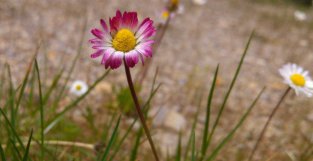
<point x="167" y="142"/>
<point x="310" y="116"/>
<point x="175" y="121"/>
<point x="103" y="87"/>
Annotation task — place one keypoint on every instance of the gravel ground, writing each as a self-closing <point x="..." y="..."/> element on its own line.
<point x="196" y="41"/>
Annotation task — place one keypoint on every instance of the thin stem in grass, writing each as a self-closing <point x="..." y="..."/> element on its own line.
<point x="268" y="122"/>
<point x="205" y="142"/>
<point x="139" y="112"/>
<point x="230" y="89"/>
<point x="41" y="112"/>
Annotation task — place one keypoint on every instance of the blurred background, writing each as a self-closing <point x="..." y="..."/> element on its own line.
<point x="198" y="38"/>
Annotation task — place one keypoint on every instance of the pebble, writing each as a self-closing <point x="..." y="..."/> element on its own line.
<point x="175" y="121"/>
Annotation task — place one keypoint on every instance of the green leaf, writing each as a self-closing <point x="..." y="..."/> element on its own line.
<point x="230" y="89"/>
<point x="25" y="158"/>
<point x="232" y="132"/>
<point x="112" y="140"/>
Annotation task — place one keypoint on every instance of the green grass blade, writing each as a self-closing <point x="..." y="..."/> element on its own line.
<point x="178" y="149"/>
<point x="232" y="132"/>
<point x="2" y="154"/>
<point x="205" y="144"/>
<point x="73" y="104"/>
<point x="118" y="147"/>
<point x="79" y="50"/>
<point x="42" y="119"/>
<point x="15" y="150"/>
<point x="32" y="80"/>
<point x="112" y="140"/>
<point x="14" y="133"/>
<point x="189" y="144"/>
<point x="230" y="89"/>
<point x="193" y="153"/>
<point x="53" y="86"/>
<point x="26" y="154"/>
<point x="134" y="151"/>
<point x="25" y="80"/>
<point x="104" y="135"/>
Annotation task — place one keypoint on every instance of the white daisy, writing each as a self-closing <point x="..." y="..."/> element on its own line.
<point x="199" y="2"/>
<point x="300" y="16"/>
<point x="79" y="88"/>
<point x="297" y="78"/>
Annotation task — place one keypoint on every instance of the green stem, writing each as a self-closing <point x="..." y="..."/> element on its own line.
<point x="267" y="123"/>
<point x="139" y="112"/>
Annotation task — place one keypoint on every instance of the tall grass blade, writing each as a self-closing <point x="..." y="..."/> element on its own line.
<point x="232" y="132"/>
<point x="134" y="151"/>
<point x="53" y="86"/>
<point x="25" y="80"/>
<point x="193" y="153"/>
<point x="230" y="88"/>
<point x="205" y="142"/>
<point x="112" y="140"/>
<point x="15" y="151"/>
<point x="118" y="147"/>
<point x="42" y="119"/>
<point x="80" y="46"/>
<point x="178" y="149"/>
<point x="14" y="133"/>
<point x="2" y="154"/>
<point x="26" y="154"/>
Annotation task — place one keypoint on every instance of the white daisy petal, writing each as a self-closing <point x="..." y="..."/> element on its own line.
<point x="78" y="88"/>
<point x="298" y="79"/>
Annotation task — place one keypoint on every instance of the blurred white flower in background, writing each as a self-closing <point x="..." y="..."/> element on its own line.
<point x="79" y="88"/>
<point x="300" y="16"/>
<point x="199" y="2"/>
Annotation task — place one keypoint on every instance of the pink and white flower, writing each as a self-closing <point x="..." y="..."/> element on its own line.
<point x="124" y="40"/>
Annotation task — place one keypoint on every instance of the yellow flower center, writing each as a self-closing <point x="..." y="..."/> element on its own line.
<point x="78" y="87"/>
<point x="298" y="79"/>
<point x="124" y="40"/>
<point x="175" y="2"/>
<point x="165" y="14"/>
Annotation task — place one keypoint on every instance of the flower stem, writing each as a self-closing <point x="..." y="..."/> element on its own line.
<point x="139" y="112"/>
<point x="268" y="122"/>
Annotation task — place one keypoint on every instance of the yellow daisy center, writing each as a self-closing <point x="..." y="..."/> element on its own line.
<point x="165" y="14"/>
<point x="124" y="40"/>
<point x="175" y="2"/>
<point x="298" y="80"/>
<point x="78" y="87"/>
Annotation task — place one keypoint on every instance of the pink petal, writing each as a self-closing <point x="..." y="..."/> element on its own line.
<point x="116" y="60"/>
<point x="116" y="21"/>
<point x="130" y="20"/>
<point x="129" y="60"/>
<point x="104" y="25"/>
<point x="98" y="33"/>
<point x="97" y="54"/>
